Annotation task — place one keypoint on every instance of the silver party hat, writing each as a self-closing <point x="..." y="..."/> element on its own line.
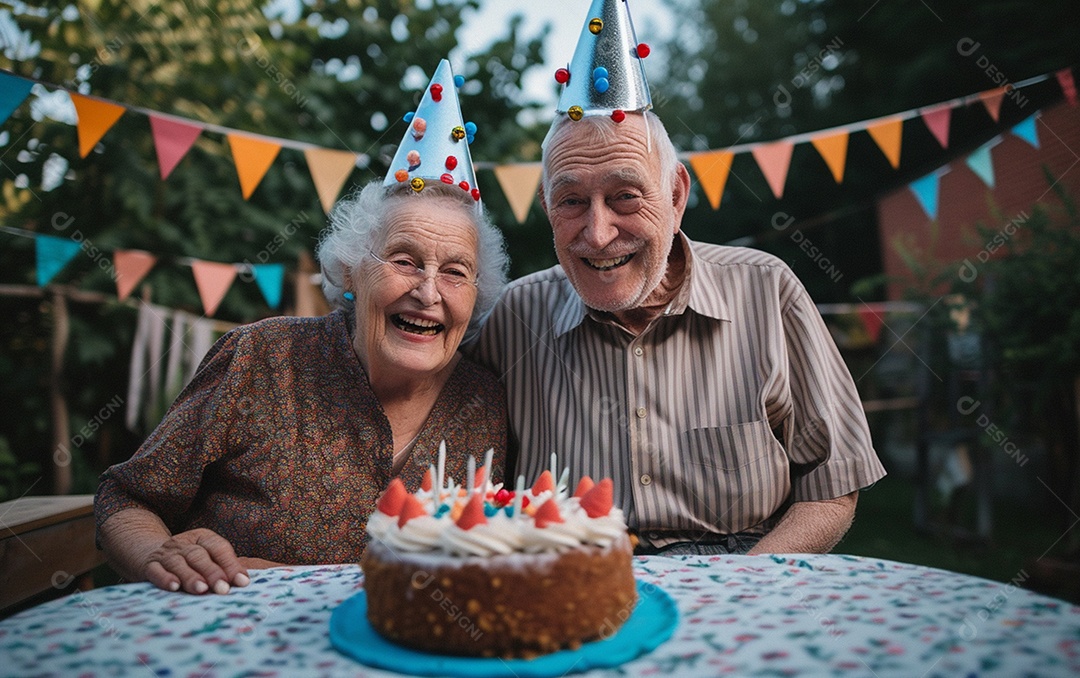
<point x="606" y="76"/>
<point x="436" y="144"/>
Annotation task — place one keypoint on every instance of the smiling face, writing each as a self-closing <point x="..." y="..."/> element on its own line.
<point x="613" y="219"/>
<point x="410" y="326"/>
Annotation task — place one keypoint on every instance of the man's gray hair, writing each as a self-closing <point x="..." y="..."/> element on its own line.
<point x="604" y="129"/>
<point x="358" y="223"/>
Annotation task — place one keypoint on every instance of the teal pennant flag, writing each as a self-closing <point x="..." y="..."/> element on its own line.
<point x="926" y="191"/>
<point x="269" y="278"/>
<point x="981" y="164"/>
<point x="13" y="91"/>
<point x="1026" y="131"/>
<point x="52" y="254"/>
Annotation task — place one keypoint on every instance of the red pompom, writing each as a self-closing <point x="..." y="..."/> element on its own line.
<point x="436" y="92"/>
<point x="464" y="185"/>
<point x="562" y="76"/>
<point x="476" y="194"/>
<point x="447" y="179"/>
<point x="643" y="50"/>
<point x="617" y="115"/>
<point x="451" y="162"/>
<point x="503" y="497"/>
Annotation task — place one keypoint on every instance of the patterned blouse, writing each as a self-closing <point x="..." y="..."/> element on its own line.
<point x="280" y="445"/>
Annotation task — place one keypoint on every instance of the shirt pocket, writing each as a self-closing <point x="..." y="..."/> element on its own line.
<point x="736" y="476"/>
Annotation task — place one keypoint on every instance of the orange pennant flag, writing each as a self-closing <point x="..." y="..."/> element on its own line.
<point x="992" y="100"/>
<point x="712" y="169"/>
<point x="774" y="160"/>
<point x="96" y="117"/>
<point x="253" y="158"/>
<point x="887" y="135"/>
<point x="519" y="183"/>
<point x="213" y="281"/>
<point x="329" y="170"/>
<point x="131" y="267"/>
<point x="833" y="150"/>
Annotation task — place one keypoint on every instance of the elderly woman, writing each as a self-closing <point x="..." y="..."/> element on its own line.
<point x="276" y="452"/>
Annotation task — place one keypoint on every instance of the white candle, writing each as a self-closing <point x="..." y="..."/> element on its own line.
<point x="487" y="470"/>
<point x="563" y="483"/>
<point x="519" y="495"/>
<point x="439" y="478"/>
<point x="554" y="466"/>
<point x="471" y="480"/>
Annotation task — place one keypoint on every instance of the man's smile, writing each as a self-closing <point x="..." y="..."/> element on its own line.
<point x="608" y="264"/>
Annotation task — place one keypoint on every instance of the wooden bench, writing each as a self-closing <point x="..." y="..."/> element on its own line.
<point x="46" y="543"/>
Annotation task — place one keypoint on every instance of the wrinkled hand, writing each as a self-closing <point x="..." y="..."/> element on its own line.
<point x="195" y="561"/>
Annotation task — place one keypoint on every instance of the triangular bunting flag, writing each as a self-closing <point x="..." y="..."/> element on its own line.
<point x="992" y="100"/>
<point x="888" y="135"/>
<point x="329" y="170"/>
<point x="926" y="191"/>
<point x="96" y="117"/>
<point x="712" y="169"/>
<point x="519" y="183"/>
<point x="872" y="322"/>
<point x="13" y="91"/>
<point x="937" y="121"/>
<point x="131" y="267"/>
<point x="981" y="164"/>
<point x="253" y="158"/>
<point x="213" y="281"/>
<point x="1068" y="85"/>
<point x="270" y="278"/>
<point x="774" y="160"/>
<point x="172" y="139"/>
<point x="1026" y="130"/>
<point x="51" y="255"/>
<point x="833" y="150"/>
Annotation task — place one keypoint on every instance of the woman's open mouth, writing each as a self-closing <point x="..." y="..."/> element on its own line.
<point x="426" y="328"/>
<point x="608" y="264"/>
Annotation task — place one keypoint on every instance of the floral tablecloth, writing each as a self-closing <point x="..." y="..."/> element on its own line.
<point x="807" y="615"/>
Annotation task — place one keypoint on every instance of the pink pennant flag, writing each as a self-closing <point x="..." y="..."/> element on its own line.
<point x="937" y="121"/>
<point x="1068" y="85"/>
<point x="992" y="100"/>
<point x="213" y="281"/>
<point x="872" y="322"/>
<point x="172" y="139"/>
<point x="131" y="267"/>
<point x="774" y="160"/>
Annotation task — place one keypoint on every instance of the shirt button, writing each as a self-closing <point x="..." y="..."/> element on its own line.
<point x="638" y="351"/>
<point x="646" y="479"/>
<point x="641" y="412"/>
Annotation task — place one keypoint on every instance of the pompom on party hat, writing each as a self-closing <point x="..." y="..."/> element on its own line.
<point x="606" y="76"/>
<point x="435" y="147"/>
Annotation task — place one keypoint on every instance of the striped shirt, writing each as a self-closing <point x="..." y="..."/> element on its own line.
<point x="729" y="406"/>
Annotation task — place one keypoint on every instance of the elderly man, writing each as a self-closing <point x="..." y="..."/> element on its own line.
<point x="700" y="378"/>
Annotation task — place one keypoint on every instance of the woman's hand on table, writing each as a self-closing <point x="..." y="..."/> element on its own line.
<point x="196" y="561"/>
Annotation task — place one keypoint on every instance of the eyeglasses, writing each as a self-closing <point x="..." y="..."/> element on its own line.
<point x="450" y="278"/>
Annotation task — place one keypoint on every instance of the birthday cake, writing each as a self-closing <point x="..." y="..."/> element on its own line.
<point x="484" y="571"/>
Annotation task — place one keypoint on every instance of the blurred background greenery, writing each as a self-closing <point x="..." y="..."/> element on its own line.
<point x="339" y="74"/>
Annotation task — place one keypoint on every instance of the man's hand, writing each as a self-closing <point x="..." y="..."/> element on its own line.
<point x="195" y="561"/>
<point x="810" y="527"/>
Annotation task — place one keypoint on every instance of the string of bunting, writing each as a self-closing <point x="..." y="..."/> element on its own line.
<point x="253" y="153"/>
<point x="212" y="279"/>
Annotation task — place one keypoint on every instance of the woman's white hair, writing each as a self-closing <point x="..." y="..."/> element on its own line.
<point x="358" y="223"/>
<point x="605" y="129"/>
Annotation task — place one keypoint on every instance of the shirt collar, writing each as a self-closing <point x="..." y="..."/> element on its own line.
<point x="697" y="294"/>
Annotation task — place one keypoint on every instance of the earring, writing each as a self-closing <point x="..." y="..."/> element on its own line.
<point x="349" y="296"/>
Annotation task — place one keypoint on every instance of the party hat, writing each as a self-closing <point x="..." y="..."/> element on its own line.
<point x="606" y="76"/>
<point x="436" y="144"/>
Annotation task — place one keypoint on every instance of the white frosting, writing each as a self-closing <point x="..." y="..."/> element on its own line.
<point x="500" y="535"/>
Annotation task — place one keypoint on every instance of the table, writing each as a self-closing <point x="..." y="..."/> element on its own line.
<point x="46" y="542"/>
<point x="798" y="615"/>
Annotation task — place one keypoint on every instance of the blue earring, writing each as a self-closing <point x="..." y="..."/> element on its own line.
<point x="349" y="296"/>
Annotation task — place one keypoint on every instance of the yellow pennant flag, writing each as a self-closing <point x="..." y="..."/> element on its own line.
<point x="253" y="158"/>
<point x="519" y="183"/>
<point x="96" y="117"/>
<point x="712" y="169"/>
<point x="833" y="150"/>
<point x="887" y="135"/>
<point x="329" y="170"/>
